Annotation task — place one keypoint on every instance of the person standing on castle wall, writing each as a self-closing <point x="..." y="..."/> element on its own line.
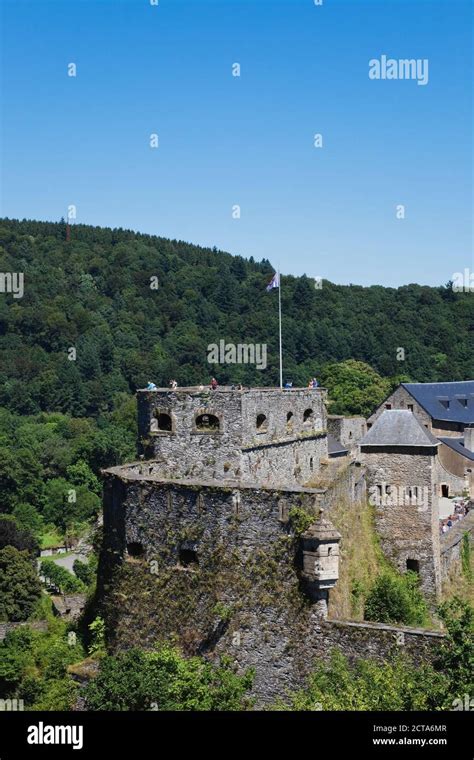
<point x="173" y="384"/>
<point x="214" y="384"/>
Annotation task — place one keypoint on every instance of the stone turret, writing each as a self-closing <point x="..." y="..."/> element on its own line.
<point x="320" y="545"/>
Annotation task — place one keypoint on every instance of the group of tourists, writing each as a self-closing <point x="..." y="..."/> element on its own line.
<point x="173" y="385"/>
<point x="313" y="383"/>
<point x="461" y="509"/>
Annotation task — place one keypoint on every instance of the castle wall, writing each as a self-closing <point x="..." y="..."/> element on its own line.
<point x="407" y="531"/>
<point x="450" y="471"/>
<point x="348" y="430"/>
<point x="244" y="597"/>
<point x="455" y="463"/>
<point x="157" y="513"/>
<point x="274" y="451"/>
<point x="284" y="665"/>
<point x="295" y="461"/>
<point x="451" y="545"/>
<point x="306" y="407"/>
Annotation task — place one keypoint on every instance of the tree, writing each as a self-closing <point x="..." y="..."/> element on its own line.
<point x="33" y="666"/>
<point x="80" y="474"/>
<point x="20" y="588"/>
<point x="164" y="680"/>
<point x="84" y="572"/>
<point x="456" y="657"/>
<point x="29" y="519"/>
<point x="12" y="535"/>
<point x="353" y="387"/>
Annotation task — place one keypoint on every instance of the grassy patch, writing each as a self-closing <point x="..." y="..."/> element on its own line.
<point x="51" y="538"/>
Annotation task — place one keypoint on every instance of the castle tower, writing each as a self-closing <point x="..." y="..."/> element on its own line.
<point x="400" y="457"/>
<point x="260" y="435"/>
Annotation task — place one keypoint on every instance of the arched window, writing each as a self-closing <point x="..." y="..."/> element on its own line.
<point x="161" y="422"/>
<point x="207" y="423"/>
<point x="289" y="421"/>
<point x="308" y="417"/>
<point x="261" y="423"/>
<point x="164" y="422"/>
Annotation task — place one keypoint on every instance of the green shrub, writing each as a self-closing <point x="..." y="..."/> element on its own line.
<point x="164" y="680"/>
<point x="396" y="599"/>
<point x="369" y="685"/>
<point x="300" y="520"/>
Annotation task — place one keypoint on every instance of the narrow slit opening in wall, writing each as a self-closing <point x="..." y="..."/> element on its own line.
<point x="188" y="557"/>
<point x="135" y="549"/>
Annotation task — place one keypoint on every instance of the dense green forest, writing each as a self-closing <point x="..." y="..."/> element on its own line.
<point x="95" y="294"/>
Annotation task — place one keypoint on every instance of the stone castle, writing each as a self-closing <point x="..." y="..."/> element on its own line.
<point x="204" y="541"/>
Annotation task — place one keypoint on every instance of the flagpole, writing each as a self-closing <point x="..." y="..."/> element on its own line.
<point x="279" y="327"/>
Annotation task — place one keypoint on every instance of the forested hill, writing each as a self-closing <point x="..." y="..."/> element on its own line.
<point x="93" y="294"/>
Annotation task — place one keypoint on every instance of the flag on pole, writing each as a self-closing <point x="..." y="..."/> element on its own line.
<point x="274" y="282"/>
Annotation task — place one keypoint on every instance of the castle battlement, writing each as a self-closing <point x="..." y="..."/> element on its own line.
<point x="259" y="435"/>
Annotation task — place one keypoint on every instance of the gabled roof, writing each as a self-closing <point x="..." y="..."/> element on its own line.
<point x="457" y="445"/>
<point x="398" y="427"/>
<point x="445" y="401"/>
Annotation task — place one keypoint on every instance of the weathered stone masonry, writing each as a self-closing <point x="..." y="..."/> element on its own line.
<point x="199" y="547"/>
<point x="408" y="532"/>
<point x="258" y="436"/>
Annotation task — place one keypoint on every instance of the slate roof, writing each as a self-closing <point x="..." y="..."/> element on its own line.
<point x="322" y="529"/>
<point x="430" y="396"/>
<point x="398" y="427"/>
<point x="335" y="447"/>
<point x="457" y="445"/>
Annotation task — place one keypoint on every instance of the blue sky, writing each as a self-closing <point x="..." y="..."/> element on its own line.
<point x="223" y="140"/>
